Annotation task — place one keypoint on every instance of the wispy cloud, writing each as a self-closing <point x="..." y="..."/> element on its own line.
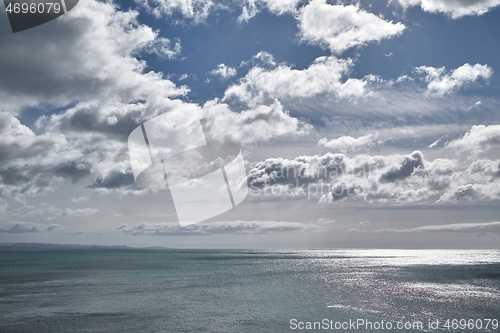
<point x="488" y="227"/>
<point x="222" y="227"/>
<point x="50" y="212"/>
<point x="19" y="227"/>
<point x="80" y="199"/>
<point x="349" y="144"/>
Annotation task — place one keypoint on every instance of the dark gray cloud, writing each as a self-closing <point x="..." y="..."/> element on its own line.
<point x="405" y="170"/>
<point x="99" y="98"/>
<point x="35" y="164"/>
<point x="74" y="170"/>
<point x="377" y="179"/>
<point x="301" y="170"/>
<point x="33" y="70"/>
<point x="113" y="180"/>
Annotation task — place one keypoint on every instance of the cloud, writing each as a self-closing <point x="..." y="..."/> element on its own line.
<point x="282" y="6"/>
<point x="435" y="143"/>
<point x="80" y="199"/>
<point x="383" y="107"/>
<point x="404" y="169"/>
<point x="488" y="227"/>
<point x="3" y="206"/>
<point x="361" y="103"/>
<point x="100" y="100"/>
<point x="198" y="11"/>
<point x="64" y="74"/>
<point x="43" y="210"/>
<point x="18" y="227"/>
<point x="453" y="8"/>
<point x="303" y="169"/>
<point x="114" y="179"/>
<point x="479" y="139"/>
<point x="395" y="178"/>
<point x="195" y="10"/>
<point x="278" y="7"/>
<point x="102" y="97"/>
<point x="472" y="192"/>
<point x="250" y="126"/>
<point x="33" y="164"/>
<point x="324" y="75"/>
<point x="49" y="212"/>
<point x="348" y="143"/>
<point x="264" y="58"/>
<point x="224" y="71"/>
<point x="76" y="232"/>
<point x="334" y="168"/>
<point x="163" y="48"/>
<point x="339" y="27"/>
<point x="440" y="83"/>
<point x="81" y="212"/>
<point x="221" y="227"/>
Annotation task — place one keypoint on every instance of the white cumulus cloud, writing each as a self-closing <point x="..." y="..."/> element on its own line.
<point x="224" y="71"/>
<point x="261" y="123"/>
<point x="195" y="10"/>
<point x="480" y="138"/>
<point x="440" y="83"/>
<point x="278" y="7"/>
<point x="163" y="48"/>
<point x="339" y="27"/>
<point x="453" y="8"/>
<point x="324" y="75"/>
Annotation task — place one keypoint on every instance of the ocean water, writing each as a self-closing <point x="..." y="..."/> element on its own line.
<point x="249" y="291"/>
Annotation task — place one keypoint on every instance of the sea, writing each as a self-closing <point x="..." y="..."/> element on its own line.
<point x="239" y="291"/>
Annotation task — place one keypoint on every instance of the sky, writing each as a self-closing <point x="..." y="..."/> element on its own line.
<point x="361" y="124"/>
